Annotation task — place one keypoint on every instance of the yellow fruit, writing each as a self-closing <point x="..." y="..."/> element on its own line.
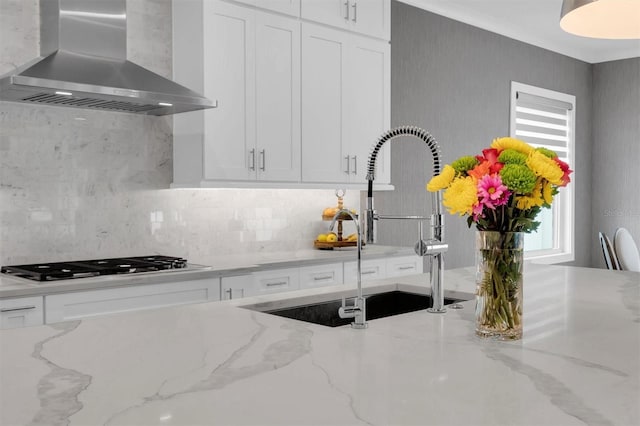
<point x="330" y="211"/>
<point x="352" y="237"/>
<point x="332" y="238"/>
<point x="322" y="238"/>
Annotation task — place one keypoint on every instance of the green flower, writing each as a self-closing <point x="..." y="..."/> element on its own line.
<point x="462" y="164"/>
<point x="511" y="156"/>
<point x="547" y="152"/>
<point x="518" y="178"/>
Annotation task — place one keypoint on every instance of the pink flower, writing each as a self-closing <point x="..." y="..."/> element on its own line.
<point x="566" y="171"/>
<point x="478" y="211"/>
<point x="492" y="192"/>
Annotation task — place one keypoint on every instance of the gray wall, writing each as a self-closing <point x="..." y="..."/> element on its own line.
<point x="616" y="151"/>
<point x="454" y="81"/>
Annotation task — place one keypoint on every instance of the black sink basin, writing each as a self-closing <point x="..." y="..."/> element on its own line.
<point x="378" y="306"/>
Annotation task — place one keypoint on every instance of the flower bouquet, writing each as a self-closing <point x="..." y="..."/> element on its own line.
<point x="501" y="192"/>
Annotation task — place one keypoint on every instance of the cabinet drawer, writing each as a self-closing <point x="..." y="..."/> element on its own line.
<point x="21" y="312"/>
<point x="70" y="306"/>
<point x="371" y="270"/>
<point x="321" y="275"/>
<point x="406" y="265"/>
<point x="277" y="281"/>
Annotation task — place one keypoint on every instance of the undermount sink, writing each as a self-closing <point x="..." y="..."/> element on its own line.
<point x="379" y="305"/>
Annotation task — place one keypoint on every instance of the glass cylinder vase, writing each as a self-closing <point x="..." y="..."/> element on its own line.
<point x="499" y="261"/>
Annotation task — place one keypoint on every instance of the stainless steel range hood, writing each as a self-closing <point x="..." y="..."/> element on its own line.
<point x="83" y="64"/>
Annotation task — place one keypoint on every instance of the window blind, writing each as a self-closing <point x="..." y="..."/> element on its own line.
<point x="543" y="122"/>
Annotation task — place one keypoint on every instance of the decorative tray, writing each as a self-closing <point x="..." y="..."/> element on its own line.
<point x="325" y="245"/>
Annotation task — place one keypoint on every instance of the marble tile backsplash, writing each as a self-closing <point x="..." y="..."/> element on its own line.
<point x="80" y="184"/>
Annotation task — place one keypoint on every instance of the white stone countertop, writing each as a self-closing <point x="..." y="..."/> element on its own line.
<point x="218" y="364"/>
<point x="11" y="287"/>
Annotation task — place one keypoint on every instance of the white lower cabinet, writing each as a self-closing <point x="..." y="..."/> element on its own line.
<point x="21" y="312"/>
<point x="321" y="275"/>
<point x="72" y="306"/>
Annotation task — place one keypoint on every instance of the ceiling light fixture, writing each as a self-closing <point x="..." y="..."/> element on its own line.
<point x="610" y="19"/>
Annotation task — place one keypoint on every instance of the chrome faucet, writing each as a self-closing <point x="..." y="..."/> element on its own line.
<point x="357" y="311"/>
<point x="434" y="247"/>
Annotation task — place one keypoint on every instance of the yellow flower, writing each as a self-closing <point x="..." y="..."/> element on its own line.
<point x="512" y="143"/>
<point x="535" y="198"/>
<point x="443" y="180"/>
<point x="547" y="192"/>
<point x="545" y="167"/>
<point x="461" y="196"/>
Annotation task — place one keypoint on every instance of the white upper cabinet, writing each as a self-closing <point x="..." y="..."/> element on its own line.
<point x="369" y="111"/>
<point x="229" y="61"/>
<point x="325" y="151"/>
<point x="294" y="108"/>
<point x="277" y="98"/>
<point x="251" y="67"/>
<point x="370" y="17"/>
<point x="345" y="105"/>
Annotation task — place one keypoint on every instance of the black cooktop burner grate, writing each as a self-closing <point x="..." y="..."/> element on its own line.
<point x="89" y="268"/>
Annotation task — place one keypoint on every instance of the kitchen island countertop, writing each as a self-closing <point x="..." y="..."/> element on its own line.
<point x="217" y="363"/>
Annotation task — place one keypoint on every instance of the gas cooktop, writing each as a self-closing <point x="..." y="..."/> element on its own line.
<point x="91" y="268"/>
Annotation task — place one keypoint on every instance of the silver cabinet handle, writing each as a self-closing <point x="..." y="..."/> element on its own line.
<point x="404" y="268"/>
<point x="355" y="12"/>
<point x="252" y="159"/>
<point x="355" y="165"/>
<point x="346" y="8"/>
<point x="369" y="272"/>
<point x="324" y="277"/>
<point x="348" y="158"/>
<point x="18" y="308"/>
<point x="263" y="160"/>
<point x="277" y="283"/>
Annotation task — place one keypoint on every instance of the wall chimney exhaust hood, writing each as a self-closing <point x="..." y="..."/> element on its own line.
<point x="83" y="64"/>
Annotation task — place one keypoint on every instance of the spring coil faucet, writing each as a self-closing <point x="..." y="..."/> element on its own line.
<point x="434" y="246"/>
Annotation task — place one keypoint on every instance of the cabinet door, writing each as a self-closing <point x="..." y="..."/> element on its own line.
<point x="236" y="287"/>
<point x="371" y="17"/>
<point x="369" y="105"/>
<point x="229" y="52"/>
<point x="323" y="125"/>
<point x="21" y="312"/>
<point x="71" y="306"/>
<point x="330" y="12"/>
<point x="321" y="275"/>
<point x="277" y="98"/>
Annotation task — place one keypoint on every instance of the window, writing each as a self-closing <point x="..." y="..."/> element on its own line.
<point x="544" y="118"/>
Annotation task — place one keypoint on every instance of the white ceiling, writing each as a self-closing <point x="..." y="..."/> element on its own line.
<point x="531" y="21"/>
